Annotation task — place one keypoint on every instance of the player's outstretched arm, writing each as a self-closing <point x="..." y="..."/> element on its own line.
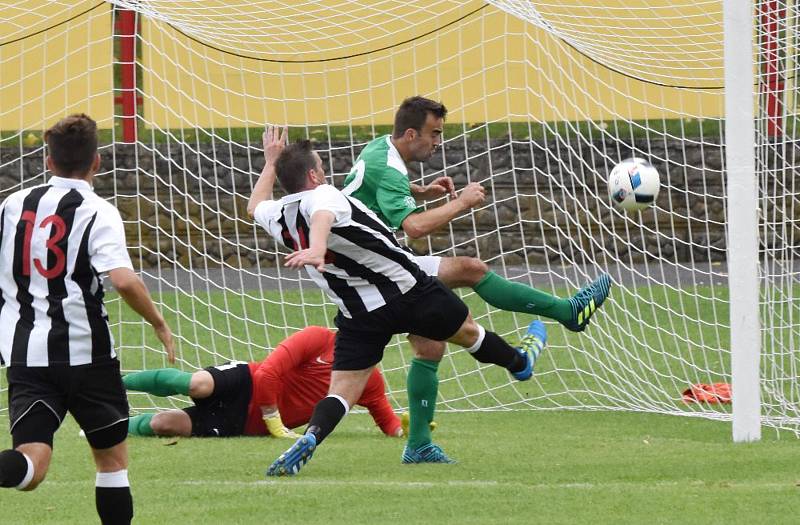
<point x="131" y="288"/>
<point x="418" y="225"/>
<point x="274" y="140"/>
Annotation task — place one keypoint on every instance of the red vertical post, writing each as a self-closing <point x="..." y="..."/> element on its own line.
<point x="771" y="87"/>
<point x="127" y="58"/>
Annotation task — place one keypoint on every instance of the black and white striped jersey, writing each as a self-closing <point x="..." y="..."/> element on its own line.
<point x="55" y="241"/>
<point x="365" y="267"/>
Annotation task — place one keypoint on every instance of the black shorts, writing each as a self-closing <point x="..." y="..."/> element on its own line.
<point x="430" y="309"/>
<point x="93" y="394"/>
<point x="224" y="412"/>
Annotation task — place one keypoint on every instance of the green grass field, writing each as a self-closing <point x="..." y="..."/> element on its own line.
<point x="515" y="467"/>
<point x="522" y="466"/>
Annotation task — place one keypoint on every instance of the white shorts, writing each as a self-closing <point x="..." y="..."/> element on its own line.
<point x="429" y="264"/>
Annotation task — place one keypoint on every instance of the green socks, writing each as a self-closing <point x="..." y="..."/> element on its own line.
<point x="423" y="385"/>
<point x="516" y="297"/>
<point x="161" y="382"/>
<point x="140" y="425"/>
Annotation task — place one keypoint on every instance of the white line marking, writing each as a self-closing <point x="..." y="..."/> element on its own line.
<point x="461" y="483"/>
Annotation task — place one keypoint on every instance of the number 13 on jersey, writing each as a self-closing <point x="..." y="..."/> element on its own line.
<point x="57" y="232"/>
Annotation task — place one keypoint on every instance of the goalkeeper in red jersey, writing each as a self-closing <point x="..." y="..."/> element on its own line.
<point x="255" y="399"/>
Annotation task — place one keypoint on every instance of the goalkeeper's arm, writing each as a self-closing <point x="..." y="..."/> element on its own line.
<point x="275" y="426"/>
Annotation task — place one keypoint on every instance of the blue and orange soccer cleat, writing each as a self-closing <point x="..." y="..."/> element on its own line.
<point x="429" y="453"/>
<point x="530" y="347"/>
<point x="586" y="302"/>
<point x="290" y="462"/>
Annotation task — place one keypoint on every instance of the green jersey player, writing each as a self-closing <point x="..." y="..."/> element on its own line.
<point x="379" y="179"/>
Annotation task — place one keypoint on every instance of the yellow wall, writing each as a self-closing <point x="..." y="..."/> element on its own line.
<point x="490" y="66"/>
<point x="62" y="70"/>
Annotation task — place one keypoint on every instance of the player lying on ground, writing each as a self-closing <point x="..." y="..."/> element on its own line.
<point x="255" y="399"/>
<point x="56" y="241"/>
<point x="379" y="179"/>
<point x="379" y="289"/>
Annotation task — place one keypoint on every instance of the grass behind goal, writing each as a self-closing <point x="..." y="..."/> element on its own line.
<point x="642" y="350"/>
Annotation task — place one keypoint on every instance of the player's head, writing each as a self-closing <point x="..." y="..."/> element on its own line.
<point x="299" y="167"/>
<point x="418" y="126"/>
<point x="72" y="147"/>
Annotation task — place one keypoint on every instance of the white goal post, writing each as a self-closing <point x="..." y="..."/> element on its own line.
<point x="743" y="265"/>
<point x="544" y="99"/>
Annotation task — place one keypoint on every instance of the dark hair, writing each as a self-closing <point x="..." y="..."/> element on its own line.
<point x="72" y="144"/>
<point x="412" y="114"/>
<point x="293" y="164"/>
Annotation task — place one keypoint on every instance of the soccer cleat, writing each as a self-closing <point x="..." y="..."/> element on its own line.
<point x="429" y="453"/>
<point x="586" y="302"/>
<point x="530" y="347"/>
<point x="290" y="462"/>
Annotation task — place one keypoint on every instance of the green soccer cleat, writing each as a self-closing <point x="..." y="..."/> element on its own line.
<point x="429" y="453"/>
<point x="586" y="302"/>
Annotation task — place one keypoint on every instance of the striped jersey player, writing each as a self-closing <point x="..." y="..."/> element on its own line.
<point x="57" y="241"/>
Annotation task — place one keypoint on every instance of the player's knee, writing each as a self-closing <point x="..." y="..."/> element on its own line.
<point x="468" y="334"/>
<point x="201" y="385"/>
<point x="160" y="423"/>
<point x="171" y="423"/>
<point x="113" y="463"/>
<point x="39" y="455"/>
<point x="113" y="458"/>
<point x="40" y="467"/>
<point x="473" y="270"/>
<point x="427" y="349"/>
<point x="457" y="272"/>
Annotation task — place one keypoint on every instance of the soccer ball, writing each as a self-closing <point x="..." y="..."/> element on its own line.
<point x="633" y="184"/>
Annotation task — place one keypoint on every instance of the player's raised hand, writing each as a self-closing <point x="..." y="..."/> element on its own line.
<point x="274" y="139"/>
<point x="305" y="257"/>
<point x="472" y="195"/>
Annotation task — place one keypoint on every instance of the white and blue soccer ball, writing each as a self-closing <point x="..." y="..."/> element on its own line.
<point x="633" y="184"/>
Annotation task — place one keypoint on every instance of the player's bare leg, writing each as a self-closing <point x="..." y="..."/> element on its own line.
<point x="26" y="466"/>
<point x="171" y="423"/>
<point x="112" y="488"/>
<point x="201" y="385"/>
<point x="461" y="272"/>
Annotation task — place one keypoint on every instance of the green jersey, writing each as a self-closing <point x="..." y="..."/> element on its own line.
<point x="379" y="179"/>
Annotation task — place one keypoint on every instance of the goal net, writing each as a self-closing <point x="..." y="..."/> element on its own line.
<point x="544" y="99"/>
